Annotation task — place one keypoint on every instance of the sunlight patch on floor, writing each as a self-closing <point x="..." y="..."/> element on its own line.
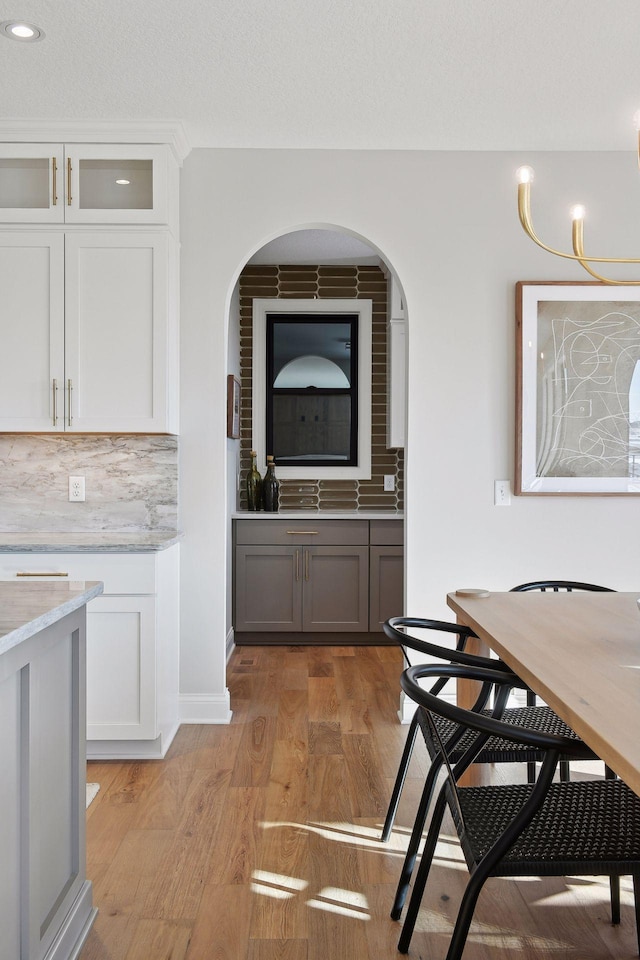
<point x="276" y="885"/>
<point x="429" y="921"/>
<point x="366" y="837"/>
<point x="346" y="903"/>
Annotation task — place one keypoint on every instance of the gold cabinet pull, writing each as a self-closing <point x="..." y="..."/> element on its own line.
<point x="297" y="566"/>
<point x="54" y="178"/>
<point x="304" y="533"/>
<point x="55" y="402"/>
<point x="306" y="566"/>
<point x="52" y="574"/>
<point x="68" y="181"/>
<point x="70" y="389"/>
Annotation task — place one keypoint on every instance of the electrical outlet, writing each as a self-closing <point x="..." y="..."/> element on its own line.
<point x="502" y="493"/>
<point x="76" y="489"/>
<point x="389" y="482"/>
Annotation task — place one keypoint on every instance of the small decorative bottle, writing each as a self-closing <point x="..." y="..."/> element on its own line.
<point x="254" y="485"/>
<point x="271" y="488"/>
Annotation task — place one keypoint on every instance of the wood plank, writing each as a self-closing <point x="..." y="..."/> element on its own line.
<point x="220" y="930"/>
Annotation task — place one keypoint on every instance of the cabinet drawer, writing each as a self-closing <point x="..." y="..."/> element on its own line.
<point x="120" y="573"/>
<point x="386" y="533"/>
<point x="311" y="531"/>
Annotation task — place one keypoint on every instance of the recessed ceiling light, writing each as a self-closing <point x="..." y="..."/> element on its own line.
<point x="123" y="182"/>
<point x="21" y="30"/>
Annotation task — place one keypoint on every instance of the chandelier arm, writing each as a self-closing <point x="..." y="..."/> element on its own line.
<point x="524" y="212"/>
<point x="578" y="247"/>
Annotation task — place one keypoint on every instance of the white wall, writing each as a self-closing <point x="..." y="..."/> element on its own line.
<point x="447" y="224"/>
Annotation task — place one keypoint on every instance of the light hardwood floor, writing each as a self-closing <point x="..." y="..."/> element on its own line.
<point x="259" y="840"/>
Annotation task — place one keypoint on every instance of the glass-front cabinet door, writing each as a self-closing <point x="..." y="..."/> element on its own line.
<point x="83" y="183"/>
<point x="115" y="183"/>
<point x="31" y="183"/>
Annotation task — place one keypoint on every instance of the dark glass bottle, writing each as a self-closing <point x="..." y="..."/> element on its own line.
<point x="270" y="488"/>
<point x="254" y="485"/>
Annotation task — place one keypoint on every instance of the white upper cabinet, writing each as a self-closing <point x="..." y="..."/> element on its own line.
<point x="89" y="269"/>
<point x="87" y="342"/>
<point x="84" y="183"/>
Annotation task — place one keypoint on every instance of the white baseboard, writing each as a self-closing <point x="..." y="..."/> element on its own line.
<point x="406" y="710"/>
<point x="70" y="938"/>
<point x="132" y="749"/>
<point x="200" y="708"/>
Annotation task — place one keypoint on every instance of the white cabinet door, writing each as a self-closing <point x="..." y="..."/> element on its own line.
<point x="31" y="186"/>
<point x="121" y="669"/>
<point x="116" y="183"/>
<point x="31" y="331"/>
<point x="116" y="290"/>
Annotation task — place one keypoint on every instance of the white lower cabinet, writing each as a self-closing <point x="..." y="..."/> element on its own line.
<point x="132" y="645"/>
<point x="121" y="669"/>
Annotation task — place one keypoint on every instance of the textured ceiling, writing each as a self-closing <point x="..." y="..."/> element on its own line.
<point x="398" y="74"/>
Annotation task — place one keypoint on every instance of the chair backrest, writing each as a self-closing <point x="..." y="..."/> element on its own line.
<point x="472" y="719"/>
<point x="557" y="586"/>
<point x="396" y="629"/>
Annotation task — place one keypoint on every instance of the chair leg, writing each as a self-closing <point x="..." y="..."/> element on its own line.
<point x="415" y="838"/>
<point x="614" y="881"/>
<point x="565" y="771"/>
<point x="614" y="886"/>
<point x="531" y="766"/>
<point x="400" y="778"/>
<point x="465" y="914"/>
<point x="423" y="873"/>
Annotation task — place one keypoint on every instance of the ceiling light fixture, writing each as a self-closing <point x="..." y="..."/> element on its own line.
<point x="21" y="30"/>
<point x="525" y="178"/>
<point x="123" y="182"/>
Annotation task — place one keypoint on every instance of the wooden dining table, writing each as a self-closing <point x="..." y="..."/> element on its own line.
<point x="580" y="652"/>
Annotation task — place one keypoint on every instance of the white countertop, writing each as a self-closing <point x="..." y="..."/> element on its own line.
<point x="27" y="608"/>
<point x="100" y="541"/>
<point x="318" y="515"/>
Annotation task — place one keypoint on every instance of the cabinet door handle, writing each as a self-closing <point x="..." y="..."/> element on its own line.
<point x="68" y="181"/>
<point x="297" y="566"/>
<point x="55" y="403"/>
<point x="29" y="574"/>
<point x="54" y="183"/>
<point x="304" y="533"/>
<point x="70" y="389"/>
<point x="306" y="566"/>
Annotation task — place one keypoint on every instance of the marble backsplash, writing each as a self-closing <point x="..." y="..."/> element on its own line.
<point x="131" y="482"/>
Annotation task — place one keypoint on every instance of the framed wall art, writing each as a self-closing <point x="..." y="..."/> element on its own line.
<point x="577" y="388"/>
<point x="233" y="407"/>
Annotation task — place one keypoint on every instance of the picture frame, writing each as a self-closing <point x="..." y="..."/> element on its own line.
<point x="577" y="388"/>
<point x="233" y="407"/>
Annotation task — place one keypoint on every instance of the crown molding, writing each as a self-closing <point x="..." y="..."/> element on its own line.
<point x="170" y="132"/>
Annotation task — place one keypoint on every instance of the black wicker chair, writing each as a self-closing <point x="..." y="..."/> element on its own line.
<point x="457" y="740"/>
<point x="583" y="828"/>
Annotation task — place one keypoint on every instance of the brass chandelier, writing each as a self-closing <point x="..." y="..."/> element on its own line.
<point x="525" y="177"/>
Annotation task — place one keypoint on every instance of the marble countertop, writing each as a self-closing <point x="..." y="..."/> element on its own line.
<point x="100" y="541"/>
<point x="27" y="608"/>
<point x="319" y="515"/>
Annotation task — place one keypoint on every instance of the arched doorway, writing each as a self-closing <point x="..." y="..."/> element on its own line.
<point x="323" y="263"/>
